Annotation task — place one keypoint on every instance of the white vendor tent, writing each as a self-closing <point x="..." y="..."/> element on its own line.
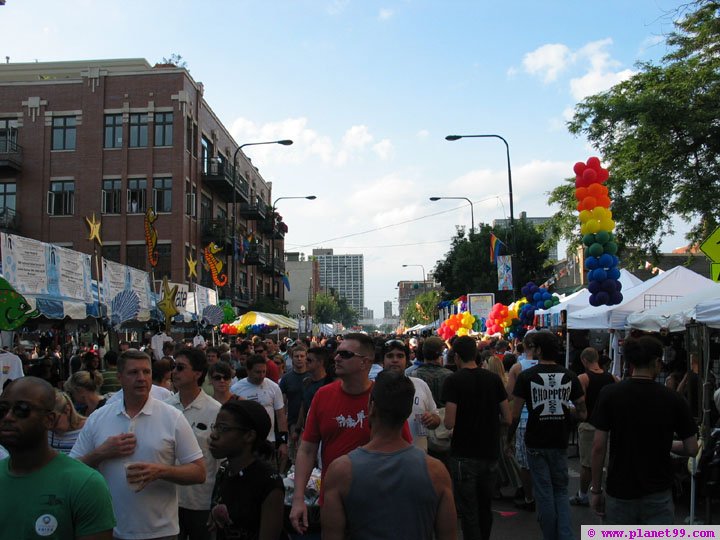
<point x="708" y="312"/>
<point x="580" y="300"/>
<point x="674" y="316"/>
<point x="665" y="287"/>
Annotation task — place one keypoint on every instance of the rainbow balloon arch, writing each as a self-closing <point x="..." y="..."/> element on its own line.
<point x="509" y="321"/>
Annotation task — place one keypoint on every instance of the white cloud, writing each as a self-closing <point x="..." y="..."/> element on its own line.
<point x="512" y="71"/>
<point x="357" y="137"/>
<point x="383" y="149"/>
<point x="602" y="71"/>
<point x="335" y="7"/>
<point x="385" y="14"/>
<point x="423" y="134"/>
<point x="547" y="61"/>
<point x="648" y="43"/>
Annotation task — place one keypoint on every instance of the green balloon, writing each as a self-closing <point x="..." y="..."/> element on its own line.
<point x="602" y="237"/>
<point x="589" y="239"/>
<point x="611" y="248"/>
<point x="596" y="249"/>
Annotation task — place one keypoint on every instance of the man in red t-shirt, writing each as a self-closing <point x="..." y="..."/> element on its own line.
<point x="338" y="418"/>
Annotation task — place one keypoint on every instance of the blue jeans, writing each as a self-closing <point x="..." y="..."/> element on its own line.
<point x="549" y="471"/>
<point x="654" y="509"/>
<point x="473" y="483"/>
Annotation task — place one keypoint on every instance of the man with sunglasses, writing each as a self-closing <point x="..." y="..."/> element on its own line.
<point x="144" y="448"/>
<point x="200" y="410"/>
<point x="44" y="493"/>
<point x="338" y="418"/>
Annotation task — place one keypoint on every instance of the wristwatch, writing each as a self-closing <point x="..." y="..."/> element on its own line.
<point x="282" y="437"/>
<point x="596" y="491"/>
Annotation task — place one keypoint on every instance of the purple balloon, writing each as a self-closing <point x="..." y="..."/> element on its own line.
<point x="616" y="298"/>
<point x="603" y="298"/>
<point x="594" y="300"/>
<point x="594" y="287"/>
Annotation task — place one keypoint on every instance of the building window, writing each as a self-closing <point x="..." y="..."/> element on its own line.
<point x="111" y="197"/>
<point x="136" y="256"/>
<point x="7" y="197"/>
<point x="164" y="261"/>
<point x="137" y="196"/>
<point x="205" y="208"/>
<point x="61" y="198"/>
<point x="138" y="130"/>
<point x="8" y="135"/>
<point x="163" y="129"/>
<point x="113" y="131"/>
<point x="111" y="253"/>
<point x="63" y="133"/>
<point x="189" y="200"/>
<point x="162" y="194"/>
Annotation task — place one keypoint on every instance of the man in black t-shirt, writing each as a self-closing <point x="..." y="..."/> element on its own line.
<point x="475" y="399"/>
<point x="641" y="417"/>
<point x="548" y="390"/>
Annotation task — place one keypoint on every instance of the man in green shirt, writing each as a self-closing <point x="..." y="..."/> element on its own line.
<point x="44" y="494"/>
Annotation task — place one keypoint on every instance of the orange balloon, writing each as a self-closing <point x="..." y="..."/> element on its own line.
<point x="580" y="206"/>
<point x="590" y="202"/>
<point x="595" y="190"/>
<point x="581" y="193"/>
<point x="604" y="201"/>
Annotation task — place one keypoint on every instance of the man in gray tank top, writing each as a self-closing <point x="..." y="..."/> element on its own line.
<point x="388" y="489"/>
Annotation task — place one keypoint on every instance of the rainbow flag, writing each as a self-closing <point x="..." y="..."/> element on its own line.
<point x="495" y="245"/>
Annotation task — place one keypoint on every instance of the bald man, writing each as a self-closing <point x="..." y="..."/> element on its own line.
<point x="44" y="493"/>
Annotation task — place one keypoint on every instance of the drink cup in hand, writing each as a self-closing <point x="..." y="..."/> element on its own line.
<point x="133" y="477"/>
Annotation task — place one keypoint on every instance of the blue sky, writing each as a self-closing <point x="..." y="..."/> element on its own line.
<point x="368" y="90"/>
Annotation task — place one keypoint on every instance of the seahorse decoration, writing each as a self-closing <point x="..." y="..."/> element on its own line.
<point x="214" y="265"/>
<point x="151" y="236"/>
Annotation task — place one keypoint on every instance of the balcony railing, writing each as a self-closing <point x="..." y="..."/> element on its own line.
<point x="257" y="210"/>
<point x="218" y="230"/>
<point x="10" y="155"/>
<point x="220" y="177"/>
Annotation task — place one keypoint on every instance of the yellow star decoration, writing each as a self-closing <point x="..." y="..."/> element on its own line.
<point x="167" y="304"/>
<point x="94" y="225"/>
<point x="192" y="267"/>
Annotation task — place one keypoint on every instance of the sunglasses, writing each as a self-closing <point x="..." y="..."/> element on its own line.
<point x="222" y="428"/>
<point x="347" y="354"/>
<point x="395" y="343"/>
<point x="180" y="367"/>
<point x="20" y="409"/>
<point x="221" y="377"/>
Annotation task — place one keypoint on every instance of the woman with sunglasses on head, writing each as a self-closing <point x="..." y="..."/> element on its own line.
<point x="249" y="493"/>
<point x="67" y="426"/>
<point x="83" y="388"/>
<point x="221" y="378"/>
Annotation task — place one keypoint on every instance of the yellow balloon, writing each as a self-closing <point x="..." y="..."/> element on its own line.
<point x="593" y="226"/>
<point x="584" y="216"/>
<point x="462" y="331"/>
<point x="598" y="213"/>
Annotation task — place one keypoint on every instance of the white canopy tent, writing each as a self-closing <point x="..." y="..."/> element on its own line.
<point x="665" y="287"/>
<point x="674" y="316"/>
<point x="580" y="300"/>
<point x="708" y="312"/>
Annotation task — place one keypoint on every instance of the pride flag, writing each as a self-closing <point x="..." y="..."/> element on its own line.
<point x="495" y="244"/>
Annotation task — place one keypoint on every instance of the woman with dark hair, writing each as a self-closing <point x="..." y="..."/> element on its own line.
<point x="249" y="493"/>
<point x="221" y="376"/>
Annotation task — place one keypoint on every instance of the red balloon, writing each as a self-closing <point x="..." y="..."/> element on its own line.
<point x="579" y="167"/>
<point x="603" y="175"/>
<point x="580" y="182"/>
<point x="594" y="163"/>
<point x="580" y="206"/>
<point x="589" y="176"/>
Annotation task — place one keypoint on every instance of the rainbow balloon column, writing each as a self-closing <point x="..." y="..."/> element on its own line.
<point x="537" y="298"/>
<point x="458" y="324"/>
<point x="504" y="319"/>
<point x="596" y="227"/>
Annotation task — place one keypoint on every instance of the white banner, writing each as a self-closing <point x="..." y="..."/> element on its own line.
<point x="504" y="268"/>
<point x="118" y="277"/>
<point x="200" y="299"/>
<point x="182" y="296"/>
<point x="46" y="270"/>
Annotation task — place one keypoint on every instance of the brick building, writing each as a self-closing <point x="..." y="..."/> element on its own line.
<point x="115" y="137"/>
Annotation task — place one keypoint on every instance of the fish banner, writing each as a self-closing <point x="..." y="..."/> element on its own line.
<point x="45" y="270"/>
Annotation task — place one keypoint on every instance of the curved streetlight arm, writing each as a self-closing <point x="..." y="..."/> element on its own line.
<point x="472" y="208"/>
<point x="308" y="197"/>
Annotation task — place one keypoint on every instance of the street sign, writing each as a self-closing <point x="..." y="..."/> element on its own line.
<point x="715" y="271"/>
<point x="711" y="246"/>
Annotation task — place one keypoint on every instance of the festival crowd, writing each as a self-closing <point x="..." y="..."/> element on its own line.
<point x="396" y="437"/>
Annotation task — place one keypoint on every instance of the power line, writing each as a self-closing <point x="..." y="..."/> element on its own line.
<point x="321" y="242"/>
<point x="387" y="245"/>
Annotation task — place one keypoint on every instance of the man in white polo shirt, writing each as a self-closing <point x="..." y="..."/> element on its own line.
<point x="257" y="387"/>
<point x="143" y="447"/>
<point x="201" y="411"/>
<point x="10" y="368"/>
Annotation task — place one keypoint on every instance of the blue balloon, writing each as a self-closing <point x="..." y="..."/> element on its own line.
<point x="599" y="274"/>
<point x="613" y="274"/>
<point x="546" y="296"/>
<point x="594" y="300"/>
<point x="537" y="296"/>
<point x="616" y="261"/>
<point x="608" y="286"/>
<point x="591" y="263"/>
<point x="606" y="260"/>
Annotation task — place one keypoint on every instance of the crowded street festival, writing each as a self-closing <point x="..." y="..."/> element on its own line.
<point x="172" y="369"/>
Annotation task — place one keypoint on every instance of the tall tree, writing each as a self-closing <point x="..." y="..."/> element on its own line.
<point x="467" y="267"/>
<point x="422" y="309"/>
<point x="659" y="134"/>
<point x="326" y="308"/>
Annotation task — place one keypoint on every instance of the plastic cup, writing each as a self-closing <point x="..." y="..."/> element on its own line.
<point x="134" y="485"/>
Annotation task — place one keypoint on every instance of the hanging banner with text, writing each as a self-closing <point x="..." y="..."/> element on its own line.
<point x="504" y="268"/>
<point x="118" y="278"/>
<point x="46" y="270"/>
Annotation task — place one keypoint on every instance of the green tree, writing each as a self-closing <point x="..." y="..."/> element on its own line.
<point x="467" y="267"/>
<point x="347" y="315"/>
<point x="326" y="308"/>
<point x="658" y="133"/>
<point x="422" y="309"/>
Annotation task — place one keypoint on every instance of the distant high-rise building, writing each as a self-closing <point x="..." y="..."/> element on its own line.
<point x="387" y="309"/>
<point x="368" y="313"/>
<point x="304" y="282"/>
<point x="343" y="274"/>
<point x="536" y="222"/>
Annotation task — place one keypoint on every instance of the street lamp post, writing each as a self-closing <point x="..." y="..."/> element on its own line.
<point x="423" y="271"/>
<point x="284" y="142"/>
<point x="272" y="237"/>
<point x="472" y="209"/>
<point x="509" y="172"/>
